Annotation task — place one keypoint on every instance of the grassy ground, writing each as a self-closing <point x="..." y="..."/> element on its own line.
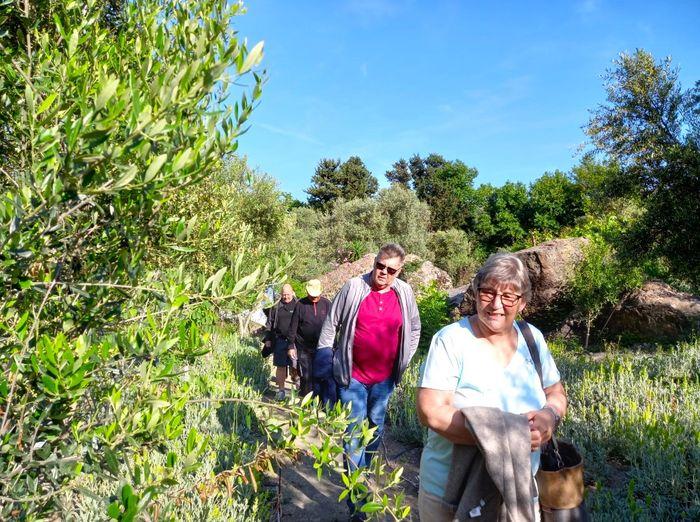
<point x="636" y="418"/>
<point x="634" y="415"/>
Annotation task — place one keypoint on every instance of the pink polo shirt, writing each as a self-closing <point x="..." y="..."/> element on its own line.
<point x="377" y="335"/>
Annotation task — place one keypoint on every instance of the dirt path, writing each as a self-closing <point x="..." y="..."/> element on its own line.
<point x="304" y="498"/>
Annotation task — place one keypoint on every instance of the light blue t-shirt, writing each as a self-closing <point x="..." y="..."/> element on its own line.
<point x="460" y="363"/>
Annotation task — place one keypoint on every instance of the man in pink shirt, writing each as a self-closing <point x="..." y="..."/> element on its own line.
<point x="373" y="328"/>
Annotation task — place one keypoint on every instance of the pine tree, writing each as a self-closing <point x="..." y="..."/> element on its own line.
<point x="334" y="180"/>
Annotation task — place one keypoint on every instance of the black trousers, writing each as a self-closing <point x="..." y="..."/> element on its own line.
<point x="306" y="369"/>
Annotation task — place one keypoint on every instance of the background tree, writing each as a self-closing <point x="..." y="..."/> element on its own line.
<point x="599" y="281"/>
<point x="400" y="173"/>
<point x="597" y="183"/>
<point x="447" y="188"/>
<point x="455" y="253"/>
<point x="650" y="127"/>
<point x="555" y="202"/>
<point x="501" y="215"/>
<point x="406" y="218"/>
<point x="233" y="209"/>
<point x="334" y="180"/>
<point x="422" y="171"/>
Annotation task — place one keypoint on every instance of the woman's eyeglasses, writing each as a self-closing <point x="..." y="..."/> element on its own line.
<point x="381" y="266"/>
<point x="487" y="295"/>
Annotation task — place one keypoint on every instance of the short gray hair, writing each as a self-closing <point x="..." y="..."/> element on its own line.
<point x="504" y="269"/>
<point x="391" y="250"/>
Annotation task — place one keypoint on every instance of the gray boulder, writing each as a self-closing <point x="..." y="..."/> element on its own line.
<point x="419" y="273"/>
<point x="550" y="266"/>
<point x="655" y="312"/>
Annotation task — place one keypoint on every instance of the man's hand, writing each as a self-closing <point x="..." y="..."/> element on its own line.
<point x="268" y="344"/>
<point x="292" y="352"/>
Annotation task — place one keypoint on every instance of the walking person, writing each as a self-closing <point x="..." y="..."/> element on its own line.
<point x="480" y="372"/>
<point x="373" y="328"/>
<point x="304" y="330"/>
<point x="278" y="322"/>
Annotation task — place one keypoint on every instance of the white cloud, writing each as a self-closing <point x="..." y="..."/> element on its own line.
<point x="587" y="6"/>
<point x="289" y="133"/>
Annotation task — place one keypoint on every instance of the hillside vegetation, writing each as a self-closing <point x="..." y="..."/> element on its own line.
<point x="129" y="227"/>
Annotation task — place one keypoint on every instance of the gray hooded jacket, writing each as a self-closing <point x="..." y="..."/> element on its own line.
<point x="338" y="329"/>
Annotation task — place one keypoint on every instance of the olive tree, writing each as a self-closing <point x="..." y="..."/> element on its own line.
<point x="102" y="122"/>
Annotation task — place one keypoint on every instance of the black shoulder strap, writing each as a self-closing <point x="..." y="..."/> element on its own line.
<point x="532" y="346"/>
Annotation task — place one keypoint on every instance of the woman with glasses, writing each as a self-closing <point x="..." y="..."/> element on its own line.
<point x="481" y="367"/>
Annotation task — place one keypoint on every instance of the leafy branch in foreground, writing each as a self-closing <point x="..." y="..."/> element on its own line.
<point x="304" y="422"/>
<point x="103" y="119"/>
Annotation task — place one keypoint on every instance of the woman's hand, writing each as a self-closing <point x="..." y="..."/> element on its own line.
<point x="542" y="424"/>
<point x="292" y="353"/>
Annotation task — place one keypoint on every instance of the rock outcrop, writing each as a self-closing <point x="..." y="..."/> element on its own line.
<point x="550" y="266"/>
<point x="655" y="312"/>
<point x="427" y="273"/>
<point x="423" y="274"/>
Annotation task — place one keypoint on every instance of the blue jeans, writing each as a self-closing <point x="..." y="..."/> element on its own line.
<point x="369" y="401"/>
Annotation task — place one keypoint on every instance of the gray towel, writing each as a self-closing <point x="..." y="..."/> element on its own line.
<point x="492" y="480"/>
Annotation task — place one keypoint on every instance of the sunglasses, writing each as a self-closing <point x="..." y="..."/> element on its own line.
<point x="381" y="266"/>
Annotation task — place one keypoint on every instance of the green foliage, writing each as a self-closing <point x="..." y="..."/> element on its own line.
<point x="350" y="229"/>
<point x="649" y="126"/>
<point x="434" y="310"/>
<point x="406" y="219"/>
<point x="357" y="222"/>
<point x="400" y="173"/>
<point x="555" y="202"/>
<point x="455" y="253"/>
<point x="597" y="182"/>
<point x="233" y="210"/>
<point x="635" y="417"/>
<point x="402" y="423"/>
<point x="105" y="121"/>
<point x="448" y="190"/>
<point x="599" y="281"/>
<point x="502" y="214"/>
<point x="334" y="181"/>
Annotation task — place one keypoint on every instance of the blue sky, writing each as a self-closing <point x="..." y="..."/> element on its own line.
<point x="503" y="86"/>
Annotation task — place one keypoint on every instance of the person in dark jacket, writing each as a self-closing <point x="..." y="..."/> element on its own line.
<point x="278" y="322"/>
<point x="309" y="314"/>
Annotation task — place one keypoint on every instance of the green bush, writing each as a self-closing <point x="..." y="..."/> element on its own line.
<point x="455" y="253"/>
<point x="434" y="310"/>
<point x="402" y="418"/>
<point x="233" y="210"/>
<point x="103" y="122"/>
<point x="347" y="230"/>
<point x="600" y="280"/>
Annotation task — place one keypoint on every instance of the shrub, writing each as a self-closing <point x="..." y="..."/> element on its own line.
<point x="402" y="417"/>
<point x="347" y="230"/>
<point x="434" y="310"/>
<point x="406" y="218"/>
<point x="599" y="280"/>
<point x="635" y="418"/>
<point x="454" y="252"/>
